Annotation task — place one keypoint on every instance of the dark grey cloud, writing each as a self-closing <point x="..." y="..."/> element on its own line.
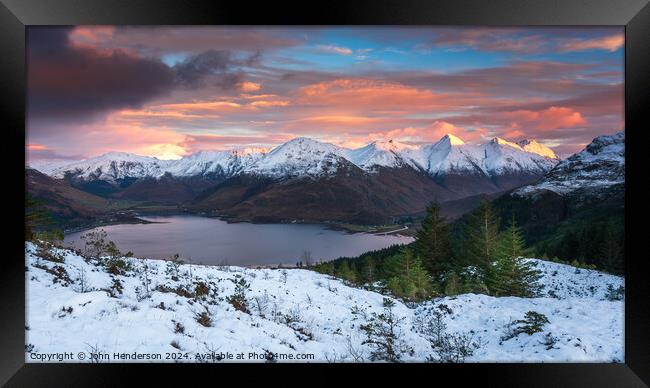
<point x="220" y="68"/>
<point x="75" y="83"/>
<point x="78" y="83"/>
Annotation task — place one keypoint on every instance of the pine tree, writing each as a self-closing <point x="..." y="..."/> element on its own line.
<point x="421" y="279"/>
<point x="368" y="270"/>
<point x="408" y="278"/>
<point x="611" y="252"/>
<point x="482" y="236"/>
<point x="510" y="274"/>
<point x="346" y="272"/>
<point x="452" y="284"/>
<point x="432" y="243"/>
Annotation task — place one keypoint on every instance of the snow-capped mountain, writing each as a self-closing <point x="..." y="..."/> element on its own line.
<point x="299" y="157"/>
<point x="382" y="153"/>
<point x="599" y="166"/>
<point x="308" y="157"/>
<point x="226" y="163"/>
<point x="498" y="156"/>
<point x="532" y="145"/>
<point x="114" y="166"/>
<point x="501" y="156"/>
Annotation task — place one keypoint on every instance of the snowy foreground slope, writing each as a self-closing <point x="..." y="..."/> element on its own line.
<point x="294" y="312"/>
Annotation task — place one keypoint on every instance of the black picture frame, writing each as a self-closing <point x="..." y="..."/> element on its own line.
<point x="15" y="15"/>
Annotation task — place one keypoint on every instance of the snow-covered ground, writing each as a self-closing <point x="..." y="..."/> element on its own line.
<point x="294" y="313"/>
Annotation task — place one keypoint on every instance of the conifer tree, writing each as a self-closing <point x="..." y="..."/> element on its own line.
<point x="452" y="284"/>
<point x="346" y="272"/>
<point x="482" y="236"/>
<point x="611" y="251"/>
<point x="408" y="278"/>
<point x="432" y="243"/>
<point x="510" y="274"/>
<point x="368" y="270"/>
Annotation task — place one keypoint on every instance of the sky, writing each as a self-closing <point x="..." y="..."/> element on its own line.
<point x="172" y="91"/>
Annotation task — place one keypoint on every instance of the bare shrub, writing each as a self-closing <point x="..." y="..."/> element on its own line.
<point x="204" y="319"/>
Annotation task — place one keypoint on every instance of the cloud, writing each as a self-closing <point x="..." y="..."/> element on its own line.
<point x="334" y="49"/>
<point x="249" y="86"/>
<point x="198" y="142"/>
<point x="162" y="40"/>
<point x="218" y="67"/>
<point x="524" y="40"/>
<point x="37" y="147"/>
<point x="488" y="39"/>
<point x="369" y="94"/>
<point x="548" y="119"/>
<point x="73" y="83"/>
<point x="609" y="43"/>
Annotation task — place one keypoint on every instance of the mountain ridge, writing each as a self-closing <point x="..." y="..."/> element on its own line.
<point x="303" y="156"/>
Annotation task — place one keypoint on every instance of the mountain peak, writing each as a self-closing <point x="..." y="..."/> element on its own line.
<point x="535" y="147"/>
<point x="390" y="145"/>
<point x="498" y="140"/>
<point x="453" y="140"/>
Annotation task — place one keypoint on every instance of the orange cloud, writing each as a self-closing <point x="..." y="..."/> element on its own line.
<point x="268" y="103"/>
<point x="548" y="119"/>
<point x="609" y="43"/>
<point x="37" y="147"/>
<point x="249" y="86"/>
<point x="202" y="106"/>
<point x="368" y="94"/>
<point x="413" y="135"/>
<point x="91" y="35"/>
<point x="117" y="135"/>
<point x="258" y="96"/>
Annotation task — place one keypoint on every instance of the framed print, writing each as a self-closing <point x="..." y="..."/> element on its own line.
<point x="383" y="183"/>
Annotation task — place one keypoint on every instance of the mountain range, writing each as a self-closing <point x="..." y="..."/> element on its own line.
<point x="312" y="181"/>
<point x="308" y="157"/>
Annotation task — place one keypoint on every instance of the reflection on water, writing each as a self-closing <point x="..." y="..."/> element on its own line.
<point x="213" y="241"/>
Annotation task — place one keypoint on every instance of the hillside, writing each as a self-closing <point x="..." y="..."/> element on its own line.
<point x="295" y="312"/>
<point x="68" y="205"/>
<point x="576" y="211"/>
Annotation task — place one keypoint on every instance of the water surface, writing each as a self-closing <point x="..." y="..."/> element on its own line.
<point x="213" y="241"/>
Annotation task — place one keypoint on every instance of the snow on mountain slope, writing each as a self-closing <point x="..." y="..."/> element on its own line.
<point x="227" y="163"/>
<point x="304" y="156"/>
<point x="298" y="157"/>
<point x="295" y="312"/>
<point x="501" y="156"/>
<point x="498" y="156"/>
<point x="113" y="166"/>
<point x="449" y="155"/>
<point x="599" y="166"/>
<point x="381" y="153"/>
<point x="533" y="146"/>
